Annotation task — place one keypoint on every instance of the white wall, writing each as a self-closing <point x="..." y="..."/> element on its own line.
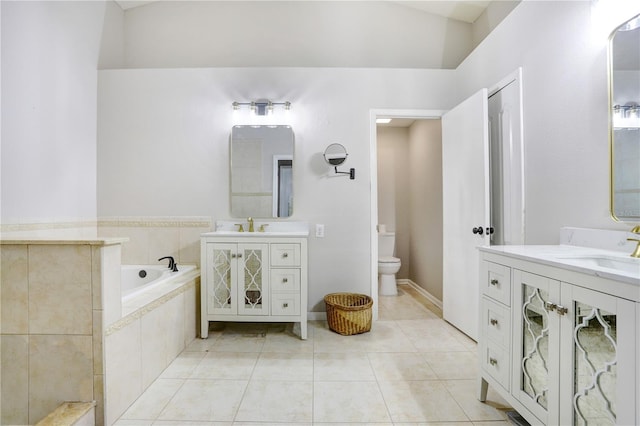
<point x="50" y="53"/>
<point x="563" y="54"/>
<point x="292" y="33"/>
<point x="163" y="148"/>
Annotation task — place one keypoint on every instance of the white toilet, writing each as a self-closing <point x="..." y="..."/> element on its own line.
<point x="388" y="265"/>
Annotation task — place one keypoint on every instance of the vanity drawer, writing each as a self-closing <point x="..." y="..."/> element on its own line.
<point x="495" y="361"/>
<point x="285" y="304"/>
<point x="496" y="282"/>
<point x="285" y="254"/>
<point x="285" y="280"/>
<point x="496" y="322"/>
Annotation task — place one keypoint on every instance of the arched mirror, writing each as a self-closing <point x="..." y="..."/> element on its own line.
<point x="624" y="128"/>
<point x="261" y="171"/>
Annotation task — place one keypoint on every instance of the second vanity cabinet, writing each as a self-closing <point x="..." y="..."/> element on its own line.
<point x="561" y="346"/>
<point x="253" y="278"/>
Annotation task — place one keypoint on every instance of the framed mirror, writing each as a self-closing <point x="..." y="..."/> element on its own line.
<point x="261" y="167"/>
<point x="624" y="122"/>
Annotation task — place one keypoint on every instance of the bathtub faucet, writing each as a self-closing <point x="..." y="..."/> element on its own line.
<point x="172" y="263"/>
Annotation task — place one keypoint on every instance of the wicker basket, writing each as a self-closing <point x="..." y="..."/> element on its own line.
<point x="348" y="313"/>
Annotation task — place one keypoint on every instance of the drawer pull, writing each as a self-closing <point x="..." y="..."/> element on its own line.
<point x="285" y="255"/>
<point x="494" y="282"/>
<point x="285" y="280"/>
<point x="493" y="321"/>
<point x="493" y="361"/>
<point x="285" y="305"/>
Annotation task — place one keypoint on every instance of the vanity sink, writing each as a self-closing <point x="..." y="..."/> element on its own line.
<point x="264" y="229"/>
<point x="260" y="234"/>
<point x="629" y="265"/>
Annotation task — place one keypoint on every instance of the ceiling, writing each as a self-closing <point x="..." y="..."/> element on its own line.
<point x="466" y="11"/>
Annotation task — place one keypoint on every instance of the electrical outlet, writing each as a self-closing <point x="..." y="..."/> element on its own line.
<point x="319" y="230"/>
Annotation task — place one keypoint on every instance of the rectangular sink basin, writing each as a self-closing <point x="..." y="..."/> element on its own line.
<point x="621" y="264"/>
<point x="260" y="234"/>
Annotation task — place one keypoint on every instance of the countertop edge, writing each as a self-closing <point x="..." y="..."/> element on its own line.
<point x="88" y="241"/>
<point x="536" y="254"/>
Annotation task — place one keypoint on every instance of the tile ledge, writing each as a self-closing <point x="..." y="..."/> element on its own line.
<point x="68" y="413"/>
<point x="49" y="241"/>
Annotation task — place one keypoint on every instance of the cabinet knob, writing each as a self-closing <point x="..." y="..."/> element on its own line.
<point x="494" y="281"/>
<point x="233" y="256"/>
<point x="285" y="280"/>
<point x="561" y="310"/>
<point x="493" y="321"/>
<point x="493" y="361"/>
<point x="239" y="255"/>
<point x="285" y="305"/>
<point x="285" y="254"/>
<point x="550" y="306"/>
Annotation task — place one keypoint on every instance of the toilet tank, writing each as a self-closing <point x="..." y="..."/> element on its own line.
<point x="386" y="243"/>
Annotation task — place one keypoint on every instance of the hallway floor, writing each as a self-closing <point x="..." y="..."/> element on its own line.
<point x="412" y="368"/>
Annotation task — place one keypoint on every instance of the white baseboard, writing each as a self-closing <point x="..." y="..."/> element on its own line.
<point x="430" y="297"/>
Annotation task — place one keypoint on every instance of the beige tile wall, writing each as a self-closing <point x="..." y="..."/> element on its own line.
<point x="151" y="238"/>
<point x="58" y="300"/>
<point x="141" y="345"/>
<point x="51" y="325"/>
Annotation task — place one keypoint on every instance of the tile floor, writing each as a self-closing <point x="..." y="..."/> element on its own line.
<point x="412" y="368"/>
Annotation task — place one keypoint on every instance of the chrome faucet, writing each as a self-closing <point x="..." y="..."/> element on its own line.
<point x="250" y="220"/>
<point x="636" y="252"/>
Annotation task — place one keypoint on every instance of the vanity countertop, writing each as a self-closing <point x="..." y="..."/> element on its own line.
<point x="229" y="228"/>
<point x="610" y="264"/>
<point x="257" y="234"/>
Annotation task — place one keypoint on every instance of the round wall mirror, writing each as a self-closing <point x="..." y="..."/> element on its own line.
<point x="335" y="154"/>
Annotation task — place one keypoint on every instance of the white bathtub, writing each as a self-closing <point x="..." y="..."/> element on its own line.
<point x="137" y="279"/>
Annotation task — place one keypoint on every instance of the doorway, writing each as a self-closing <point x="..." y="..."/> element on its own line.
<point x="513" y="185"/>
<point x="403" y="241"/>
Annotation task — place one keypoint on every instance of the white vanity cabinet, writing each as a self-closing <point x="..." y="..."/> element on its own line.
<point x="559" y="344"/>
<point x="255" y="278"/>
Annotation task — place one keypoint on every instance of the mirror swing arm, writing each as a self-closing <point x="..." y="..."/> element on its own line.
<point x="351" y="172"/>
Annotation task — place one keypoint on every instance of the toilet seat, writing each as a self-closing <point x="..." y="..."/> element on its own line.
<point x="388" y="259"/>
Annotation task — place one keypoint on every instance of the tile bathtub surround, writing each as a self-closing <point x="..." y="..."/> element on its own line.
<point x="263" y="374"/>
<point x="52" y="309"/>
<point x="151" y="238"/>
<point x="140" y="346"/>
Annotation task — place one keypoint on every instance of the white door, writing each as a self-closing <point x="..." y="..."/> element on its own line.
<point x="465" y="199"/>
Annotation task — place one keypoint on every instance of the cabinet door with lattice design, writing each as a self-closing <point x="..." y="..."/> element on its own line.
<point x="536" y="338"/>
<point x="221" y="276"/>
<point x="598" y="346"/>
<point x="253" y="279"/>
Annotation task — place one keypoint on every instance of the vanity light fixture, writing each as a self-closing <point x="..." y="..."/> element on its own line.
<point x="261" y="106"/>
<point x="626" y="116"/>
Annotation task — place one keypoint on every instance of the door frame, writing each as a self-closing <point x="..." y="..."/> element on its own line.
<point x="515" y="77"/>
<point x="275" y="189"/>
<point x="418" y="114"/>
